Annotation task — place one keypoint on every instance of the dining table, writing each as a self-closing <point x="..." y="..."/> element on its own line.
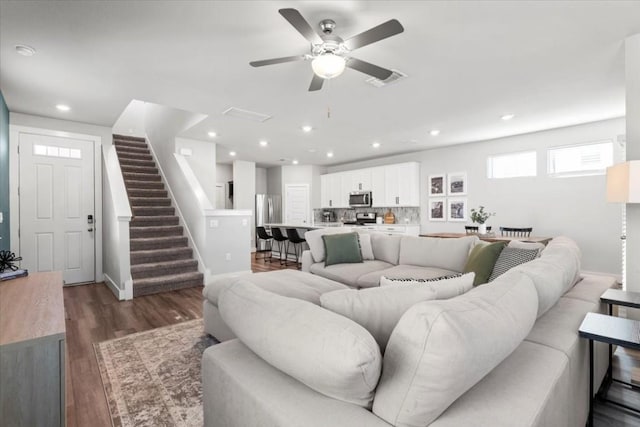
<point x="491" y="237"/>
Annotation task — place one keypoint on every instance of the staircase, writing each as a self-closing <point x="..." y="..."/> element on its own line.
<point x="161" y="260"/>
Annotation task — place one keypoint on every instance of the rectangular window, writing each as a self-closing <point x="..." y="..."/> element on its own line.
<point x="512" y="165"/>
<point x="580" y="160"/>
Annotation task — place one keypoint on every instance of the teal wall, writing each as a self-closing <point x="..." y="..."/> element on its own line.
<point x="4" y="174"/>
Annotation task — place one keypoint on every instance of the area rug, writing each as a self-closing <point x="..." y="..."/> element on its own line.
<point x="152" y="378"/>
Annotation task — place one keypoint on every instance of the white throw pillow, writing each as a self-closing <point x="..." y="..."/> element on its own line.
<point x="440" y="349"/>
<point x="329" y="353"/>
<point x="379" y="309"/>
<point x="365" y="246"/>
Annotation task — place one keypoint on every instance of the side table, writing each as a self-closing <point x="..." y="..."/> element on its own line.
<point x="610" y="330"/>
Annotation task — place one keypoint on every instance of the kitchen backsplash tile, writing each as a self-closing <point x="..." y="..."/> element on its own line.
<point x="403" y="215"/>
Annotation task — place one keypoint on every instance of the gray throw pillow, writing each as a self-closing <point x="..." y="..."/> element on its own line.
<point x="511" y="257"/>
<point x="342" y="248"/>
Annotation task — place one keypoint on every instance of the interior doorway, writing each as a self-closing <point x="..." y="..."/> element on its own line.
<point x="296" y="202"/>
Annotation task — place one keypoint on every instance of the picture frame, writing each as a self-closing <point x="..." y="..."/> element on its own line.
<point x="437" y="209"/>
<point x="457" y="184"/>
<point x="437" y="185"/>
<point x="457" y="209"/>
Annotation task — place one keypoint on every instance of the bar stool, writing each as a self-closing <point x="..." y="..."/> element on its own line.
<point x="262" y="234"/>
<point x="277" y="235"/>
<point x="294" y="237"/>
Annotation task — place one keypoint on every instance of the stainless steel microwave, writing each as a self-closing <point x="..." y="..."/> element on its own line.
<point x="359" y="199"/>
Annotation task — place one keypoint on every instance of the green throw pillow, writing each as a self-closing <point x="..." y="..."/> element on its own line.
<point x="343" y="248"/>
<point x="482" y="259"/>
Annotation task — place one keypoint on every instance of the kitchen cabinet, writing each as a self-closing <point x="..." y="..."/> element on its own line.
<point x="402" y="184"/>
<point x="391" y="186"/>
<point x="392" y="229"/>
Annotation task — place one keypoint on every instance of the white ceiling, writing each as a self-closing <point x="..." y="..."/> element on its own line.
<point x="551" y="63"/>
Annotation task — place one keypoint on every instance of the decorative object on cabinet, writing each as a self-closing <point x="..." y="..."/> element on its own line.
<point x="8" y="261"/>
<point x="457" y="209"/>
<point x="437" y="185"/>
<point x="389" y="217"/>
<point x="437" y="209"/>
<point x="480" y="216"/>
<point x="457" y="183"/>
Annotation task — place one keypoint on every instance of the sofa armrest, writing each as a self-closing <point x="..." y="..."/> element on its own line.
<point x="307" y="260"/>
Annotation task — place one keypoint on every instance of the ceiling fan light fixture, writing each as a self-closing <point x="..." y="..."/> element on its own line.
<point x="328" y="65"/>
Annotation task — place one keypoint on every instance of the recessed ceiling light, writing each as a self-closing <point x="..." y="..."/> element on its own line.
<point x="63" y="107"/>
<point x="434" y="132"/>
<point x="25" y="50"/>
<point x="295" y="162"/>
<point x="307" y="128"/>
<point x="263" y="143"/>
<point x="212" y="134"/>
<point x="376" y="145"/>
<point x="232" y="153"/>
<point x="508" y="116"/>
<point x="330" y="154"/>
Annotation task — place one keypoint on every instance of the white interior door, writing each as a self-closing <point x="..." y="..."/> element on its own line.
<point x="220" y="196"/>
<point x="56" y="200"/>
<point x="296" y="204"/>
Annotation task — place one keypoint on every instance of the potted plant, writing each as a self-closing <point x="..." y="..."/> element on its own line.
<point x="480" y="216"/>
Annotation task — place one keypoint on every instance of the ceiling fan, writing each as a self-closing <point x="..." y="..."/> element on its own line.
<point x="329" y="53"/>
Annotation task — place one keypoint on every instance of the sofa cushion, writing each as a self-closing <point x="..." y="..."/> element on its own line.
<point x="481" y="260"/>
<point x="342" y="248"/>
<point x="401" y="272"/>
<point x="527" y="245"/>
<point x="449" y="254"/>
<point x="329" y="353"/>
<point x="440" y="349"/>
<point x="590" y="288"/>
<point x="348" y="273"/>
<point x="315" y="242"/>
<point x="289" y="283"/>
<point x="386" y="248"/>
<point x="365" y="246"/>
<point x="509" y="258"/>
<point x="379" y="309"/>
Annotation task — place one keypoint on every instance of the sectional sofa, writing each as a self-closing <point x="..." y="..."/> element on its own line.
<point x="503" y="354"/>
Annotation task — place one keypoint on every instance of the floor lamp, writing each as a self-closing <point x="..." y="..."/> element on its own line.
<point x="623" y="186"/>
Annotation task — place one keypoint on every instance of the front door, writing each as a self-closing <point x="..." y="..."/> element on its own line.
<point x="56" y="206"/>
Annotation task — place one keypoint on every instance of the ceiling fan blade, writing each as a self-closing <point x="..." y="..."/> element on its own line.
<point x="316" y="83"/>
<point x="369" y="68"/>
<point x="301" y="24"/>
<point x="381" y="32"/>
<point x="277" y="60"/>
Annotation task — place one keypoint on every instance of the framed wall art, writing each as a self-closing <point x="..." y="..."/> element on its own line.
<point x="457" y="184"/>
<point x="437" y="209"/>
<point x="437" y="185"/>
<point x="457" y="209"/>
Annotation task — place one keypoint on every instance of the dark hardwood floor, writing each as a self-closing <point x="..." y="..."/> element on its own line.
<point x="93" y="315"/>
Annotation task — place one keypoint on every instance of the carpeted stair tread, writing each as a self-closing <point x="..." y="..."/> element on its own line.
<point x="155" y="269"/>
<point x="132" y="184"/>
<point x="132" y="176"/>
<point x="161" y="259"/>
<point x="173" y="282"/>
<point x="139" y="169"/>
<point x="120" y="137"/>
<point x="153" y="210"/>
<point x="149" y="201"/>
<point x="163" y="242"/>
<point x="153" y="221"/>
<point x="146" y="192"/>
<point x="156" y="255"/>
<point x="156" y="231"/>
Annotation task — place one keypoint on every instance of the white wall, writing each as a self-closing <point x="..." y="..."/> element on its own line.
<point x="575" y="207"/>
<point x="224" y="173"/>
<point x="244" y="190"/>
<point x="261" y="181"/>
<point x="202" y="161"/>
<point x="131" y="121"/>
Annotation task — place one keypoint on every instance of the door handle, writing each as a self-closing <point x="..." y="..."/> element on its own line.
<point x="90" y="229"/>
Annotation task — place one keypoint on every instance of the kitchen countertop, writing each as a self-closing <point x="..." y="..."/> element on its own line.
<point x="334" y="224"/>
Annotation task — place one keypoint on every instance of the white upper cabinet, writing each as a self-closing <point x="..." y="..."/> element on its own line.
<point x="392" y="185"/>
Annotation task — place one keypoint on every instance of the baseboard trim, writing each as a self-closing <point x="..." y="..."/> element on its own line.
<point x="111" y="284"/>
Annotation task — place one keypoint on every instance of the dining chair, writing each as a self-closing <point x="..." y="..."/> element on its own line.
<point x="516" y="232"/>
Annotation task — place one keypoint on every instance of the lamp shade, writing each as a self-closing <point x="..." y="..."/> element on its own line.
<point x="328" y="65"/>
<point x="623" y="182"/>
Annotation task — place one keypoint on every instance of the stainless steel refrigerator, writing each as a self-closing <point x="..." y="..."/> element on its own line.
<point x="268" y="211"/>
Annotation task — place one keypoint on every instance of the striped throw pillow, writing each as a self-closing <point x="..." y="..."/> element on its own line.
<point x="511" y="257"/>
